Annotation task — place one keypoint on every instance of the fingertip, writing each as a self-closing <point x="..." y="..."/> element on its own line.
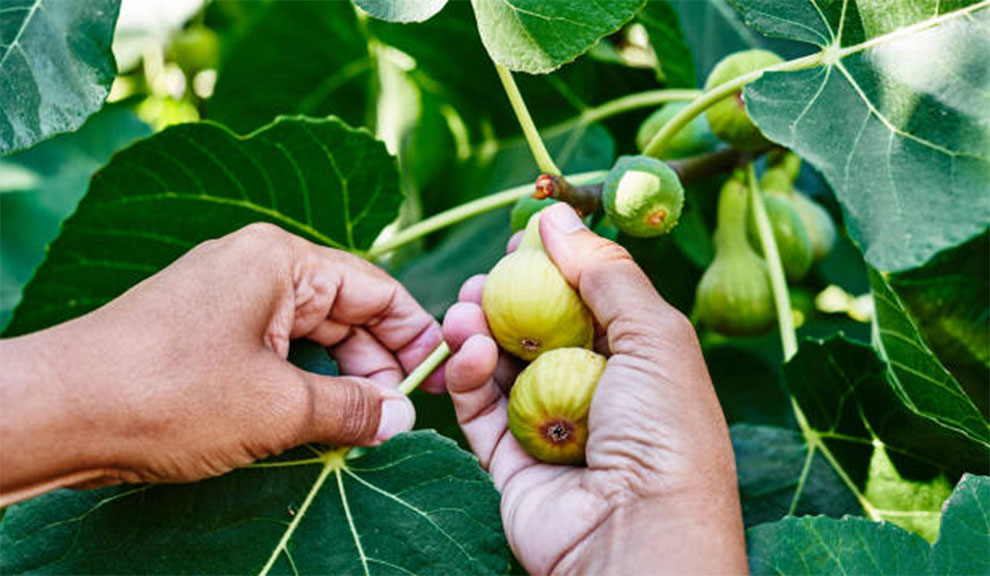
<point x="473" y="365"/>
<point x="513" y="242"/>
<point x="472" y="289"/>
<point x="462" y="321"/>
<point x="398" y="415"/>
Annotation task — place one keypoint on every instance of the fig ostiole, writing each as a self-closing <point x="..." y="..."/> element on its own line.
<point x="549" y="403"/>
<point x="734" y="295"/>
<point x="789" y="232"/>
<point x="693" y="139"/>
<point x="529" y="305"/>
<point x="642" y="196"/>
<point x="728" y="118"/>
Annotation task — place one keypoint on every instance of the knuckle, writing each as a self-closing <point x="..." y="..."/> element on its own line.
<point x="358" y="414"/>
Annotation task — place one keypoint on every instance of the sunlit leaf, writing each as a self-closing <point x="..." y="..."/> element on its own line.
<point x="894" y="115"/>
<point x="676" y="66"/>
<point x="415" y="505"/>
<point x="538" y="36"/>
<point x="401" y="10"/>
<point x="154" y="201"/>
<point x="55" y="66"/>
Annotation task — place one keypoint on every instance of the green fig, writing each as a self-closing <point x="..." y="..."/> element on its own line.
<point x="549" y="403"/>
<point x="734" y="296"/>
<point x="728" y="118"/>
<point x="776" y="179"/>
<point x="642" y="196"/>
<point x="818" y="222"/>
<point x="196" y="48"/>
<point x="693" y="139"/>
<point x="524" y="209"/>
<point x="529" y="305"/>
<point x="793" y="244"/>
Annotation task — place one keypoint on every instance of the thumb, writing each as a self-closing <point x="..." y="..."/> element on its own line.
<point x="348" y="411"/>
<point x="616" y="290"/>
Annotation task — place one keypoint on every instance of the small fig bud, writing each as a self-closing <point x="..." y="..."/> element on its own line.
<point x="818" y="223"/>
<point x="788" y="230"/>
<point x="734" y="295"/>
<point x="728" y="119"/>
<point x="642" y="196"/>
<point x="549" y="403"/>
<point x="693" y="139"/>
<point x="529" y="305"/>
<point x="524" y="210"/>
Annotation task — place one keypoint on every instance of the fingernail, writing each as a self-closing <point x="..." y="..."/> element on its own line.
<point x="564" y="219"/>
<point x="398" y="416"/>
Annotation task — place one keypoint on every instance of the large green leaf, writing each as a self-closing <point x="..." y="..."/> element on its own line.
<point x="60" y="169"/>
<point x="55" y="66"/>
<point x="919" y="378"/>
<point x="894" y="116"/>
<point x="415" y="505"/>
<point x="319" y="179"/>
<point x="539" y="36"/>
<point x="818" y="545"/>
<point x="401" y="10"/>
<point x="307" y="58"/>
<point x="676" y="66"/>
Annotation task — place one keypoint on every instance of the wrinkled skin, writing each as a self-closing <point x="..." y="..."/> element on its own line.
<point x="659" y="491"/>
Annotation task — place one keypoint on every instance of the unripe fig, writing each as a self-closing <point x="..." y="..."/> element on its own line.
<point x="529" y="305"/>
<point x="642" y="196"/>
<point x="776" y="179"/>
<point x="524" y="210"/>
<point x="734" y="295"/>
<point x="548" y="405"/>
<point x="818" y="223"/>
<point x="788" y="230"/>
<point x="693" y="139"/>
<point x="728" y="118"/>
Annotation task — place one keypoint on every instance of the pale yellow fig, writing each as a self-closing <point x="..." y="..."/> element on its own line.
<point x="529" y="305"/>
<point x="549" y="403"/>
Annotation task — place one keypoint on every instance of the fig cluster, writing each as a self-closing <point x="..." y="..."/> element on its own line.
<point x="693" y="139"/>
<point x="729" y="119"/>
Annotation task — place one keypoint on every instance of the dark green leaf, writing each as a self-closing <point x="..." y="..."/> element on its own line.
<point x="55" y="66"/>
<point x="319" y="179"/>
<point x="401" y="10"/>
<point x="818" y="545"/>
<point x="539" y="36"/>
<point x="415" y="505"/>
<point x="748" y="387"/>
<point x="60" y="170"/>
<point x="673" y="53"/>
<point x="307" y="58"/>
<point x="893" y="116"/>
<point x="920" y="379"/>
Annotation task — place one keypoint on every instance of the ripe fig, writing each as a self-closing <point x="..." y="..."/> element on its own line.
<point x="728" y="118"/>
<point x="693" y="139"/>
<point x="529" y="305"/>
<point x="734" y="295"/>
<point x="642" y="196"/>
<point x="524" y="209"/>
<point x="818" y="223"/>
<point x="788" y="230"/>
<point x="548" y="405"/>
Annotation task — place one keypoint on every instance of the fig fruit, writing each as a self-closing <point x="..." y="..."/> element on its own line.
<point x="734" y="295"/>
<point x="788" y="230"/>
<point x="693" y="139"/>
<point x="776" y="179"/>
<point x="818" y="223"/>
<point x="548" y="405"/>
<point x="728" y="118"/>
<point x="524" y="210"/>
<point x="529" y="305"/>
<point x="642" y="196"/>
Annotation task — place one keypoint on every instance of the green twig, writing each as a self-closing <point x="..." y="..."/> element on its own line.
<point x="425" y="368"/>
<point x="634" y="102"/>
<point x="536" y="146"/>
<point x="691" y="111"/>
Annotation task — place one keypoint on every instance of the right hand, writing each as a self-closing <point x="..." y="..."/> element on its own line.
<point x="659" y="490"/>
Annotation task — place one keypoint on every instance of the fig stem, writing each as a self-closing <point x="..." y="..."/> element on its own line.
<point x="788" y="338"/>
<point x="659" y="141"/>
<point x="543" y="159"/>
<point x="425" y="368"/>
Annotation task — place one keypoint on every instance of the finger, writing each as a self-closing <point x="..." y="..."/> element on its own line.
<point x="513" y="242"/>
<point x="634" y="316"/>
<point x="472" y="289"/>
<point x="464" y="320"/>
<point x="362" y="355"/>
<point x="348" y="411"/>
<point x="482" y="409"/>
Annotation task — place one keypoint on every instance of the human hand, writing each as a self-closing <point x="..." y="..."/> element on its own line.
<point x="659" y="490"/>
<point x="185" y="375"/>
